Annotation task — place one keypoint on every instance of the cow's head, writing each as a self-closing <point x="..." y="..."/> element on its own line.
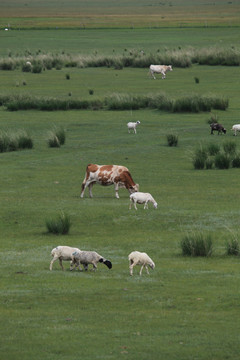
<point x="134" y="188"/>
<point x="170" y="67"/>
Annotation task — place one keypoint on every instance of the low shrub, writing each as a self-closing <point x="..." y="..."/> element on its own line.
<point x="60" y="225"/>
<point x="67" y="77"/>
<point x="196" y="80"/>
<point x="172" y="140"/>
<point x="197" y="245"/>
<point x="61" y="135"/>
<point x="91" y="91"/>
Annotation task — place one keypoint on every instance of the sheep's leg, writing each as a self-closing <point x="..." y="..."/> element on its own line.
<point x="141" y="270"/>
<point x="60" y="263"/>
<point x="146" y="267"/>
<point x="134" y="129"/>
<point x="134" y="203"/>
<point x="131" y="268"/>
<point x="130" y="205"/>
<point x="146" y="205"/>
<point x="51" y="263"/>
<point x="94" y="266"/>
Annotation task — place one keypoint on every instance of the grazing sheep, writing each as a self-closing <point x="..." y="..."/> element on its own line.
<point x="132" y="126"/>
<point x="140" y="258"/>
<point x="236" y="128"/>
<point x="63" y="253"/>
<point x="142" y="198"/>
<point x="217" y="127"/>
<point x="89" y="257"/>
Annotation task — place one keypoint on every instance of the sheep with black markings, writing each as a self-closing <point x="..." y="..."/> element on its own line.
<point x="63" y="253"/>
<point x="140" y="258"/>
<point x="89" y="257"/>
<point x="132" y="126"/>
<point x="142" y="198"/>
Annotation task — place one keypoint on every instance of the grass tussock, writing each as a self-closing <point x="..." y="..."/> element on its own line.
<point x="232" y="246"/>
<point x="59" y="225"/>
<point x="56" y="137"/>
<point x="197" y="245"/>
<point x="14" y="141"/>
<point x="172" y="140"/>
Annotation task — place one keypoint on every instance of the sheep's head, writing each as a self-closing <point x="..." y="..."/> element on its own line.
<point x="152" y="265"/>
<point x="224" y="130"/>
<point x="155" y="205"/>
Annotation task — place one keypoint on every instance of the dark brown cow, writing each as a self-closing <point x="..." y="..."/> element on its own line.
<point x="217" y="127"/>
<point x="108" y="175"/>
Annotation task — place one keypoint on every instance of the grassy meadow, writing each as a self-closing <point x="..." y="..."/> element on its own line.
<point x="187" y="308"/>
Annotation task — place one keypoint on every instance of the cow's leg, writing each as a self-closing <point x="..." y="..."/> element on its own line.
<point x="116" y="190"/>
<point x="163" y="75"/>
<point x="84" y="185"/>
<point x="152" y="73"/>
<point x="90" y="189"/>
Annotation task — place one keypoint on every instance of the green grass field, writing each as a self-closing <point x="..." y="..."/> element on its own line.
<point x="187" y="308"/>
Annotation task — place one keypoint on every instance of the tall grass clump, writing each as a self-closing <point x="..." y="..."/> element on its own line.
<point x="232" y="247"/>
<point x="213" y="149"/>
<point x="222" y="161"/>
<point x="199" y="158"/>
<point x="229" y="147"/>
<point x="15" y="141"/>
<point x="56" y="137"/>
<point x="236" y="161"/>
<point x="59" y="225"/>
<point x="61" y="135"/>
<point x="172" y="140"/>
<point x="197" y="245"/>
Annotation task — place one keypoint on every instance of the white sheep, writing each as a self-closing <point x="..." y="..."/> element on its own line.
<point x="236" y="128"/>
<point x="29" y="63"/>
<point x="63" y="253"/>
<point x="141" y="198"/>
<point x="132" y="126"/>
<point x="140" y="258"/>
<point x="89" y="257"/>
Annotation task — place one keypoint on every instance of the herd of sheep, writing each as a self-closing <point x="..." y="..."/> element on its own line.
<point x="78" y="257"/>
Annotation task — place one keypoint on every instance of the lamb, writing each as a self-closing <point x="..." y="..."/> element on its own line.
<point x="132" y="126"/>
<point x="140" y="258"/>
<point x="63" y="253"/>
<point x="217" y="127"/>
<point x="89" y="257"/>
<point x="142" y="198"/>
<point x="236" y="128"/>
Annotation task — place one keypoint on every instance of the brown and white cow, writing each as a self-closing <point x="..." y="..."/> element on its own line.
<point x="108" y="175"/>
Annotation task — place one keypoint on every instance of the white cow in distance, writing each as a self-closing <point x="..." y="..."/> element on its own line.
<point x="160" y="69"/>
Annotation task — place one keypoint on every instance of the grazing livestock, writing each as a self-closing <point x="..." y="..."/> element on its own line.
<point x="217" y="127"/>
<point x="108" y="175"/>
<point x="63" y="253"/>
<point x="160" y="69"/>
<point x="140" y="258"/>
<point x="236" y="128"/>
<point x="89" y="257"/>
<point x="132" y="126"/>
<point x="141" y="198"/>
